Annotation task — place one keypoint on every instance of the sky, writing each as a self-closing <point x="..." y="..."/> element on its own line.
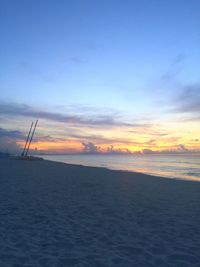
<point x="102" y="76"/>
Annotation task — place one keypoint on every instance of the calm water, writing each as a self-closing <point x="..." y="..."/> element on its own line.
<point x="172" y="166"/>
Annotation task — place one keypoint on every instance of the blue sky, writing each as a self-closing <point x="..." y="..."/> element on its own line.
<point x="132" y="58"/>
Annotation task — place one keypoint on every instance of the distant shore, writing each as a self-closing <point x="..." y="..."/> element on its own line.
<point x="56" y="214"/>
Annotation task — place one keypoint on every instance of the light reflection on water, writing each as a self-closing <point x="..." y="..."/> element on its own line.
<point x="173" y="166"/>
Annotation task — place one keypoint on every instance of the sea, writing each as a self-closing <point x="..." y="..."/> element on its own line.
<point x="178" y="166"/>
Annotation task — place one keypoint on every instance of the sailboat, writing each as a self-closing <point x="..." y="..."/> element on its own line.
<point x="29" y="139"/>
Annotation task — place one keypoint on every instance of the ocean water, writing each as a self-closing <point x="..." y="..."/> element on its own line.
<point x="181" y="166"/>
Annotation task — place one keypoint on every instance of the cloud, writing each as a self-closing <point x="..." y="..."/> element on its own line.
<point x="100" y="139"/>
<point x="48" y="138"/>
<point x="189" y="100"/>
<point x="35" y="71"/>
<point x="77" y="60"/>
<point x="187" y="103"/>
<point x="11" y="134"/>
<point x="8" y="140"/>
<point x="91" y="148"/>
<point x="179" y="149"/>
<point x="192" y="118"/>
<point x="174" y="68"/>
<point x="147" y="151"/>
<point x="87" y="109"/>
<point x="111" y="150"/>
<point x="13" y="109"/>
<point x="178" y="59"/>
<point x="151" y="142"/>
<point x="182" y="148"/>
<point x="9" y="146"/>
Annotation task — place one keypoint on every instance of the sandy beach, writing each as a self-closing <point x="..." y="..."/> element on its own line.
<point x="59" y="215"/>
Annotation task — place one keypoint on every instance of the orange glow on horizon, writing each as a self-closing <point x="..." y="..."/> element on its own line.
<point x="168" y="137"/>
<point x="54" y="146"/>
<point x="75" y="146"/>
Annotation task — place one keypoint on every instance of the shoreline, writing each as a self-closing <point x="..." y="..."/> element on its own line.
<point x="124" y="170"/>
<point x="55" y="214"/>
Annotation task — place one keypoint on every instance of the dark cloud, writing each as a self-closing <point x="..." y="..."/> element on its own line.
<point x="189" y="100"/>
<point x="151" y="142"/>
<point x="100" y="139"/>
<point x="174" y="68"/>
<point x="49" y="138"/>
<point x="180" y="149"/>
<point x="151" y="132"/>
<point x="147" y="151"/>
<point x="90" y="148"/>
<point x="92" y="137"/>
<point x="8" y="140"/>
<point x="179" y="59"/>
<point x="11" y="134"/>
<point x="111" y="150"/>
<point x="13" y="109"/>
<point x="77" y="60"/>
<point x="8" y="145"/>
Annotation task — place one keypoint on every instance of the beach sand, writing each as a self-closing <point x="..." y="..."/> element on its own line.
<point x="60" y="215"/>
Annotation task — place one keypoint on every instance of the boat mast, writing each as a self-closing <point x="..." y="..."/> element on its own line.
<point x="27" y="139"/>
<point x="26" y="153"/>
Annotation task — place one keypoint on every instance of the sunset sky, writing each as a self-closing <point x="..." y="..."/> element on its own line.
<point x="102" y="76"/>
